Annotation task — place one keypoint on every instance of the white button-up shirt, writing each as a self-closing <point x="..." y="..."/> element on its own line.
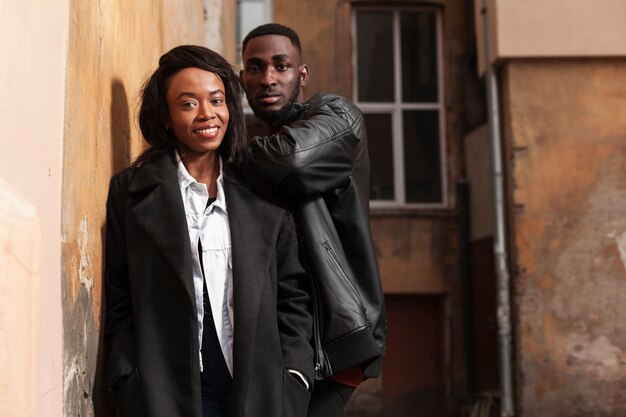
<point x="209" y="226"/>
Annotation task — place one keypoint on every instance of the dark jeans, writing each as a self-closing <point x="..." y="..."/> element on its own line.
<point x="217" y="407"/>
<point x="329" y="399"/>
<point x="215" y="380"/>
<point x="216" y="384"/>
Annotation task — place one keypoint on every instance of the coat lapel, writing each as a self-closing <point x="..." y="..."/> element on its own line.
<point x="254" y="227"/>
<point x="159" y="210"/>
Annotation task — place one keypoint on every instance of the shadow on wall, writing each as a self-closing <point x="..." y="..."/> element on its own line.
<point x="120" y="127"/>
<point x="103" y="402"/>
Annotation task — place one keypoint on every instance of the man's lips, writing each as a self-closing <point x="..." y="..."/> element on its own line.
<point x="268" y="98"/>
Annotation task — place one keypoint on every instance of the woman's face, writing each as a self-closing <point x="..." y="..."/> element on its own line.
<point x="196" y="101"/>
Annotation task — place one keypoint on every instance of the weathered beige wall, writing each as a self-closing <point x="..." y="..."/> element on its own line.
<point x="566" y="140"/>
<point x="417" y="254"/>
<point x="478" y="172"/>
<point x="555" y="28"/>
<point x="113" y="46"/>
<point x="61" y="143"/>
<point x="221" y="32"/>
<point x="314" y="22"/>
<point x="32" y="76"/>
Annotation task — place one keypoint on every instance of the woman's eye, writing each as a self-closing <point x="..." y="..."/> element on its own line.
<point x="188" y="104"/>
<point x="217" y="101"/>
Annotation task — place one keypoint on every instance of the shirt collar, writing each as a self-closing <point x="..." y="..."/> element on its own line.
<point x="185" y="180"/>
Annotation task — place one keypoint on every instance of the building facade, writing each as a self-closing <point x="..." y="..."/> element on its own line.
<point x="431" y="78"/>
<point x="561" y="81"/>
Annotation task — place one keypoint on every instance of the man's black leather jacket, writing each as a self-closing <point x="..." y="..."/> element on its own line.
<point x="318" y="164"/>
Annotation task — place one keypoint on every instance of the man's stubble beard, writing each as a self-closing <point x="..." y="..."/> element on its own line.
<point x="277" y="117"/>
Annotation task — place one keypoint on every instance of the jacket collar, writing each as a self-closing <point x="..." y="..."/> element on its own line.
<point x="158" y="208"/>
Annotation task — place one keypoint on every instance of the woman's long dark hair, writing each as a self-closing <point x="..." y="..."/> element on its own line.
<point x="154" y="114"/>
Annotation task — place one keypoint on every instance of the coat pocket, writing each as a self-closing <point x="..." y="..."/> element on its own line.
<point x="129" y="396"/>
<point x="295" y="396"/>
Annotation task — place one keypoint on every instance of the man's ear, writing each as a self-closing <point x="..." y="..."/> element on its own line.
<point x="304" y="74"/>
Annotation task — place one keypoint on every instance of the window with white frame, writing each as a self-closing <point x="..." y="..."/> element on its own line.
<point x="398" y="87"/>
<point x="250" y="14"/>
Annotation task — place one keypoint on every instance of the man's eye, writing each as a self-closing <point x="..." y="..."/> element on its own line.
<point x="253" y="70"/>
<point x="282" y="67"/>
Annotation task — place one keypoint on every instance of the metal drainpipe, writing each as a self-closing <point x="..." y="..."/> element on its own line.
<point x="500" y="251"/>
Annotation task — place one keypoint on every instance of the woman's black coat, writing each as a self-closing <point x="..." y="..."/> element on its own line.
<point x="151" y="322"/>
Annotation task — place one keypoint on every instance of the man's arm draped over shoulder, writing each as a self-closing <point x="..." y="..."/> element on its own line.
<point x="312" y="155"/>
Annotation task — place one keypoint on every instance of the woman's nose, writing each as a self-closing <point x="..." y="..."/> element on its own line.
<point x="206" y="112"/>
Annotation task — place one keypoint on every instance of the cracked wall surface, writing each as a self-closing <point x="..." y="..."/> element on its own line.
<point x="566" y="148"/>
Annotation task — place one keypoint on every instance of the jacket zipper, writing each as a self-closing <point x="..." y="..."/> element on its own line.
<point x="321" y="372"/>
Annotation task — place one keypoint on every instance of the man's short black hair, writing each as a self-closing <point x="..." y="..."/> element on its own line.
<point x="273" y="29"/>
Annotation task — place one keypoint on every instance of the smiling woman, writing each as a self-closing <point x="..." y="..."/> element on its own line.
<point x="198" y="117"/>
<point x="186" y="75"/>
<point x="192" y="252"/>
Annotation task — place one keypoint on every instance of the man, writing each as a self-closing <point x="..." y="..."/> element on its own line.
<point x="315" y="159"/>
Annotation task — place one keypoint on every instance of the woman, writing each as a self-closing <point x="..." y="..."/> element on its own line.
<point x="206" y="301"/>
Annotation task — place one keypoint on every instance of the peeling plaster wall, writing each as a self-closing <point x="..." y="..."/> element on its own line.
<point x="566" y="143"/>
<point x="417" y="255"/>
<point x="113" y="46"/>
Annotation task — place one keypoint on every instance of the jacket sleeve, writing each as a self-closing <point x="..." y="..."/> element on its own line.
<point x="295" y="323"/>
<point x="312" y="155"/>
<point x="119" y="329"/>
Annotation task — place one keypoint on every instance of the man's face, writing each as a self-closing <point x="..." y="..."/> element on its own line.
<point x="272" y="76"/>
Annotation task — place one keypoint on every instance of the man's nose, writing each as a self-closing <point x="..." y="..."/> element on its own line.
<point x="268" y="78"/>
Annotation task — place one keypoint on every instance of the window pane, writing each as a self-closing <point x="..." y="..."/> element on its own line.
<point x="419" y="56"/>
<point x="422" y="159"/>
<point x="251" y="14"/>
<point x="375" y="56"/>
<point x="379" y="135"/>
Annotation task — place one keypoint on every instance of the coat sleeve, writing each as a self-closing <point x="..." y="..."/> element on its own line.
<point x="312" y="155"/>
<point x="119" y="328"/>
<point x="295" y="323"/>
